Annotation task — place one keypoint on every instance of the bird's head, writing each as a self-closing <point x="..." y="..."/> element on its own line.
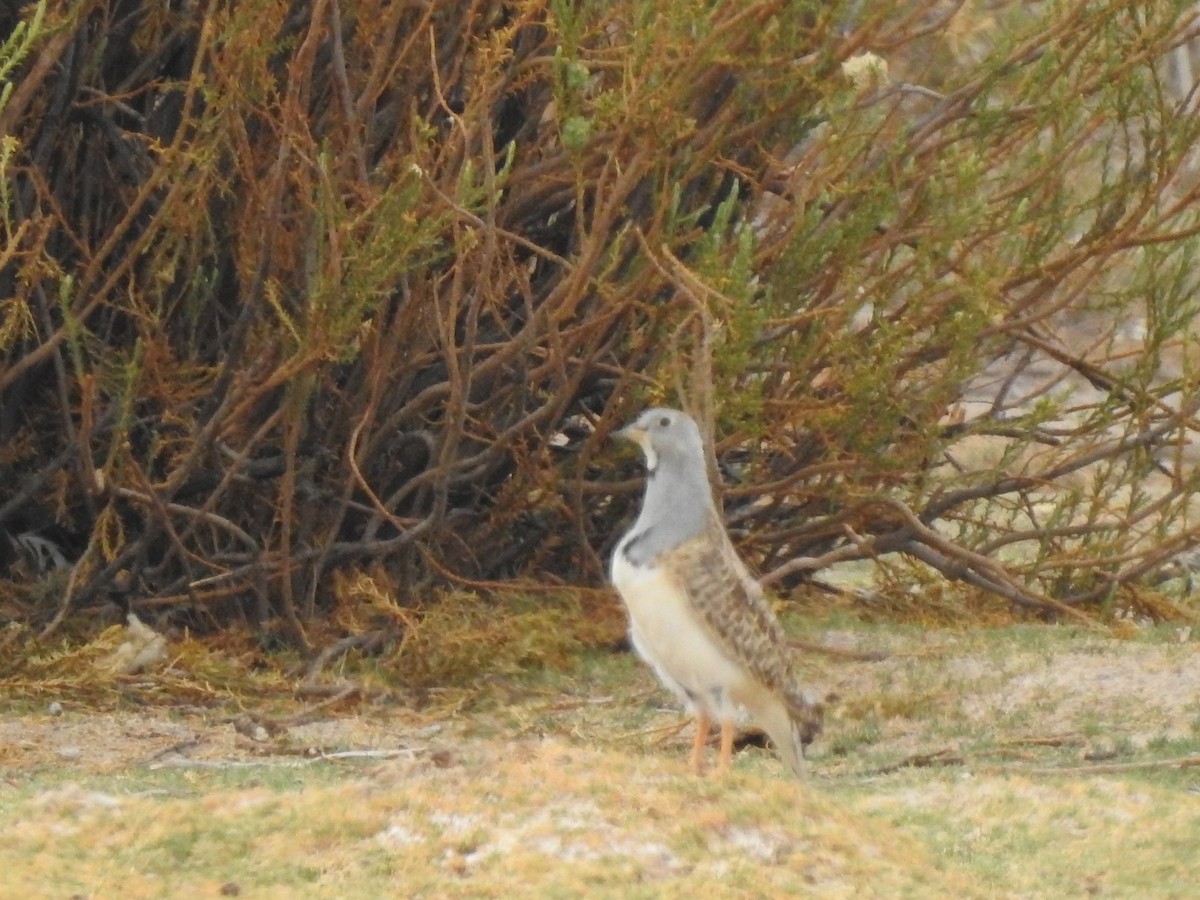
<point x="666" y="434"/>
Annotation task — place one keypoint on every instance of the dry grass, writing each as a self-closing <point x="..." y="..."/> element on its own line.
<point x="573" y="780"/>
<point x="542" y="813"/>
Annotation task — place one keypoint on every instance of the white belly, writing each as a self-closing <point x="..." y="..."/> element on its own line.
<point x="668" y="635"/>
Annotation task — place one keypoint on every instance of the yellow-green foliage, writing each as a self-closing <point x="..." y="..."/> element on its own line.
<point x="461" y="638"/>
<point x="75" y="670"/>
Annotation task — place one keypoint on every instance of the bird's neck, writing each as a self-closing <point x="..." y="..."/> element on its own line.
<point x="678" y="506"/>
<point x="682" y="489"/>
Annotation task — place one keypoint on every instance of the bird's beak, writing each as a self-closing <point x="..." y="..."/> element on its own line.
<point x="630" y="433"/>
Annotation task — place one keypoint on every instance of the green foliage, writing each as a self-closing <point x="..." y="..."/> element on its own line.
<point x="16" y="316"/>
<point x="24" y="35"/>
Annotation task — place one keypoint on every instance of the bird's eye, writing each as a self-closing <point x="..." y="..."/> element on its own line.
<point x="664" y="422"/>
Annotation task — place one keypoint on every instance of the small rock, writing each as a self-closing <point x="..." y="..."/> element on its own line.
<point x="253" y="729"/>
<point x="55" y="709"/>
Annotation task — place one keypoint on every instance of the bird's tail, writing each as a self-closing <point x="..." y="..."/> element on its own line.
<point x="793" y="726"/>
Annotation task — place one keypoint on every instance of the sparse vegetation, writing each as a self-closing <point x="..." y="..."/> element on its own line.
<point x="1053" y="763"/>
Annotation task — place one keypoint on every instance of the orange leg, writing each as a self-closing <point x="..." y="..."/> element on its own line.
<point x="703" y="726"/>
<point x="726" y="758"/>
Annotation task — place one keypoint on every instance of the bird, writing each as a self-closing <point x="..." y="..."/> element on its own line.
<point x="697" y="615"/>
